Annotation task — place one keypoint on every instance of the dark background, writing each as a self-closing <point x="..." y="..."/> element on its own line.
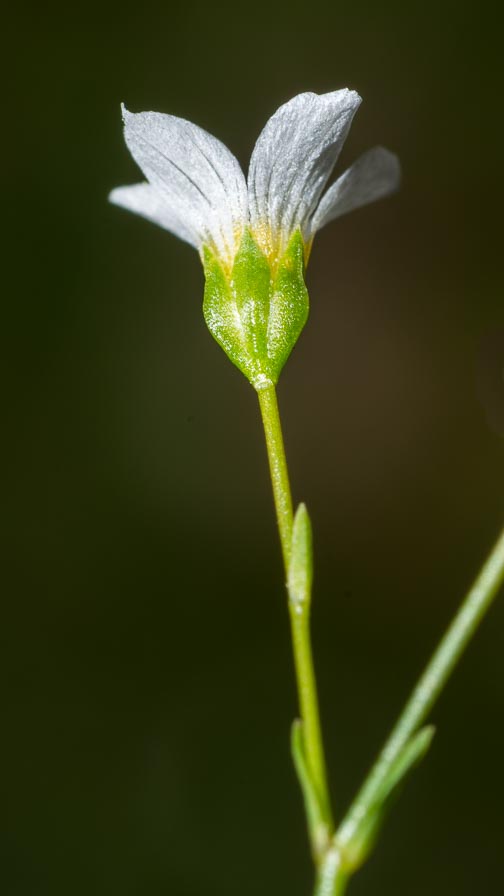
<point x="148" y="687"/>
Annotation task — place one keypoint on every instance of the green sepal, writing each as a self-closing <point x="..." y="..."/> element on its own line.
<point x="256" y="314"/>
<point x="289" y="304"/>
<point x="362" y="843"/>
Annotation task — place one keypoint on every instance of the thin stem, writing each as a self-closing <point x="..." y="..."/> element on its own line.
<point x="430" y="685"/>
<point x="278" y="468"/>
<point x="299" y="616"/>
<point x="332" y="879"/>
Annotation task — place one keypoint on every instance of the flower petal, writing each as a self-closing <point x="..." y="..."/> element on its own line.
<point x="145" y="200"/>
<point x="194" y="173"/>
<point x="292" y="161"/>
<point x="375" y="174"/>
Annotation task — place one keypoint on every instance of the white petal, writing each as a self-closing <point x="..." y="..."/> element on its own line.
<point x="293" y="159"/>
<point x="195" y="174"/>
<point x="375" y="174"/>
<point x="145" y="200"/>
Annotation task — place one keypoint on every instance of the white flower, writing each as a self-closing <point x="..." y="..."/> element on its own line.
<point x="254" y="237"/>
<point x="196" y="189"/>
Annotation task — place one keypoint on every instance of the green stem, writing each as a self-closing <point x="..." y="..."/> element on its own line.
<point x="278" y="468"/>
<point x="334" y="872"/>
<point x="431" y="683"/>
<point x="299" y="616"/>
<point x="332" y="879"/>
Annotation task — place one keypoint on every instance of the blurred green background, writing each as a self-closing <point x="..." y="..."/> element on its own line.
<point x="148" y="687"/>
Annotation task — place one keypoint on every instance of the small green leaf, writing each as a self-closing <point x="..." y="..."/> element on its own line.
<point x="410" y="756"/>
<point x="319" y="835"/>
<point x="300" y="575"/>
<point x="363" y="841"/>
<point x="307" y="788"/>
<point x="254" y="312"/>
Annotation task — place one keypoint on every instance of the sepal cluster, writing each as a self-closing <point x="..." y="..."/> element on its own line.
<point x="257" y="309"/>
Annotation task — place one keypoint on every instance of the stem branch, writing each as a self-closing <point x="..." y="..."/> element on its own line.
<point x="330" y="849"/>
<point x="431" y="682"/>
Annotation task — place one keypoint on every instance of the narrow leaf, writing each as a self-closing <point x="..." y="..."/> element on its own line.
<point x="300" y="575"/>
<point x="410" y="756"/>
<point x="374" y="815"/>
<point x="317" y="829"/>
<point x="308" y="791"/>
